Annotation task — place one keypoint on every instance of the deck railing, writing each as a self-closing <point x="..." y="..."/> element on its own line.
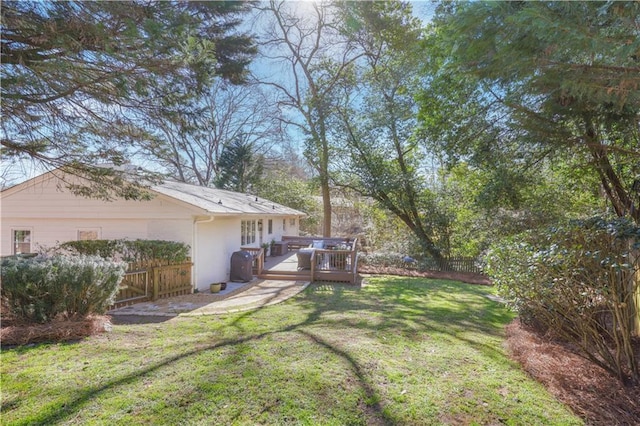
<point x="337" y="261"/>
<point x="334" y="265"/>
<point x="258" y="258"/>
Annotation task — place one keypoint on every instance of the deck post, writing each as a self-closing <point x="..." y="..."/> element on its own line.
<point x="313" y="265"/>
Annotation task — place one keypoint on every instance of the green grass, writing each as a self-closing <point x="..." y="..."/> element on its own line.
<point x="397" y="351"/>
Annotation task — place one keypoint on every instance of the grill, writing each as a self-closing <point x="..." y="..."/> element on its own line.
<point x="241" y="267"/>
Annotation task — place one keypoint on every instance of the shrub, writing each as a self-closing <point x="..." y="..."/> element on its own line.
<point x="42" y="288"/>
<point x="130" y="251"/>
<point x="381" y="259"/>
<point x="578" y="283"/>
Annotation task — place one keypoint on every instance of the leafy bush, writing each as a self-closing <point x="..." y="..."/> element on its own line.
<point x="130" y="251"/>
<point x="382" y="259"/>
<point x="579" y="283"/>
<point x="42" y="288"/>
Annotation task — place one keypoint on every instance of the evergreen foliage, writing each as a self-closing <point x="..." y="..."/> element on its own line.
<point x="553" y="80"/>
<point x="579" y="283"/>
<point x="283" y="187"/>
<point x="130" y="251"/>
<point x="78" y="78"/>
<point x="41" y="289"/>
<point x="240" y="167"/>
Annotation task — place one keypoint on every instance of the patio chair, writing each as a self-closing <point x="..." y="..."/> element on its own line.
<point x="304" y="258"/>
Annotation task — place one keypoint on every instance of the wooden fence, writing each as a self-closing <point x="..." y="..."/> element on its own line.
<point x="452" y="264"/>
<point x="461" y="264"/>
<point x="154" y="279"/>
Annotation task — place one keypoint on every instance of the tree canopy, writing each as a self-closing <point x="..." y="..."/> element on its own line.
<point x="240" y="166"/>
<point x="562" y="77"/>
<point x="73" y="73"/>
<point x="377" y="124"/>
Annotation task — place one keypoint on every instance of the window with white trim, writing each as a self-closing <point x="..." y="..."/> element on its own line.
<point x="270" y="226"/>
<point x="247" y="232"/>
<point x="21" y="241"/>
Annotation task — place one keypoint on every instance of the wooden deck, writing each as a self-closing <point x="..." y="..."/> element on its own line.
<point x="316" y="265"/>
<point x="285" y="263"/>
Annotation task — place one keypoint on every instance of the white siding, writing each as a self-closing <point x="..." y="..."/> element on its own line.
<point x="216" y="241"/>
<point x="49" y="232"/>
<point x="171" y="230"/>
<point x="55" y="215"/>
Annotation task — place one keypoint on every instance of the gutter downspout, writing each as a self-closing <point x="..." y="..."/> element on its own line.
<point x="194" y="257"/>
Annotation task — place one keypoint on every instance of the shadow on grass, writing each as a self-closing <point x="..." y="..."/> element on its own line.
<point x="373" y="399"/>
<point x="401" y="305"/>
<point x="139" y="319"/>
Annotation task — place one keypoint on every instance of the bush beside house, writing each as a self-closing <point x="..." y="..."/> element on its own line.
<point x="41" y="289"/>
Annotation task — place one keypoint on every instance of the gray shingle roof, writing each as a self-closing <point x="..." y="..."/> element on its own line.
<point x="220" y="201"/>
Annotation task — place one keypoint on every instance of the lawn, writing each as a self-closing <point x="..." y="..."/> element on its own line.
<point x="405" y="351"/>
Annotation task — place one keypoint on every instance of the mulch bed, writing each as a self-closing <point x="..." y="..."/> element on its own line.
<point x="592" y="393"/>
<point x="465" y="277"/>
<point x="15" y="333"/>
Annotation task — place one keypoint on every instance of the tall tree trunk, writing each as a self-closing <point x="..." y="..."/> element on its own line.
<point x="326" y="207"/>
<point x="616" y="193"/>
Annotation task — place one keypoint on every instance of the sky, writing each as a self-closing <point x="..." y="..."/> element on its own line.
<point x="14" y="172"/>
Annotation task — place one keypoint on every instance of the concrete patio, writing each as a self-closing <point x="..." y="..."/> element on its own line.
<point x="238" y="297"/>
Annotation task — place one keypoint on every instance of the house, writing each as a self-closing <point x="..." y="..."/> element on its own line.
<point x="215" y="223"/>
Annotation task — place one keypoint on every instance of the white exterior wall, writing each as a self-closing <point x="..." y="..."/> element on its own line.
<point x="54" y="215"/>
<point x="216" y="241"/>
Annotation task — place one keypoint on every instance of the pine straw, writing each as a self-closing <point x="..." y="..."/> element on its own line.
<point x="14" y="333"/>
<point x="591" y="392"/>
<point x="465" y="277"/>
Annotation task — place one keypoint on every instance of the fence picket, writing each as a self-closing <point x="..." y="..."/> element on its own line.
<point x="154" y="279"/>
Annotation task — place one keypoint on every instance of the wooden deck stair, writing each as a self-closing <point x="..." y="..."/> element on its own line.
<point x="285" y="275"/>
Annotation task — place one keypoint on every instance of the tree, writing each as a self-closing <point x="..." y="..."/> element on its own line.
<point x="74" y="73"/>
<point x="188" y="138"/>
<point x="281" y="184"/>
<point x="378" y="119"/>
<point x="240" y="167"/>
<point x="567" y="76"/>
<point x="487" y="206"/>
<point x="315" y="59"/>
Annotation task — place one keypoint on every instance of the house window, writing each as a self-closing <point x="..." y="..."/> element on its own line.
<point x="248" y="232"/>
<point x="88" y="234"/>
<point x="21" y="241"/>
<point x="270" y="226"/>
<point x="284" y="225"/>
<point x="292" y="222"/>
